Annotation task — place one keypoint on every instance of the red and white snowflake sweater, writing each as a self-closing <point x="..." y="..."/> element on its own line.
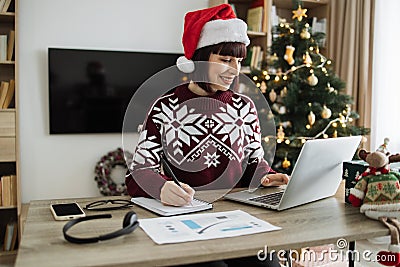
<point x="210" y="142"/>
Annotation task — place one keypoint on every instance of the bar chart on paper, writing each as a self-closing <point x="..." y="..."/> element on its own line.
<point x="205" y="226"/>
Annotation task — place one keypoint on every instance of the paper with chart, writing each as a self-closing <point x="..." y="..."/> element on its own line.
<point x="184" y="228"/>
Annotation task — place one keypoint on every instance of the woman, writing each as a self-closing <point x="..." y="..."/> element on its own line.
<point x="209" y="134"/>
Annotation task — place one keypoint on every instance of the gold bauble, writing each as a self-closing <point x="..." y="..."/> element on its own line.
<point x="286" y="163"/>
<point x="280" y="134"/>
<point x="307" y="59"/>
<point x="283" y="92"/>
<point x="311" y="118"/>
<point x="326" y="113"/>
<point x="305" y="34"/>
<point x="263" y="87"/>
<point x="312" y="80"/>
<point x="272" y="95"/>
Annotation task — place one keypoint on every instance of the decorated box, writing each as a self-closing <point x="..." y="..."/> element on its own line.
<point x="351" y="169"/>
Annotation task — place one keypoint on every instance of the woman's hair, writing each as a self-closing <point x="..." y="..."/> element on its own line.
<point x="233" y="49"/>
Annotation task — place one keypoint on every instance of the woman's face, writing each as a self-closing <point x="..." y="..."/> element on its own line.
<point x="221" y="75"/>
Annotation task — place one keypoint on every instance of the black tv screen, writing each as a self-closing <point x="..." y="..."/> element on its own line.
<point x="89" y="90"/>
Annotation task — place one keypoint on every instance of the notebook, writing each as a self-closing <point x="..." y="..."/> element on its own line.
<point x="157" y="207"/>
<point x="316" y="175"/>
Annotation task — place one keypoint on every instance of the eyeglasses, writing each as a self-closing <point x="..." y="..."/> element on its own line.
<point x="109" y="204"/>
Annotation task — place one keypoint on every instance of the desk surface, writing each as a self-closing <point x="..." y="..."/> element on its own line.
<point x="317" y="223"/>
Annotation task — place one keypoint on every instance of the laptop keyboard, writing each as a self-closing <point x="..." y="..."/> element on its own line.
<point x="270" y="199"/>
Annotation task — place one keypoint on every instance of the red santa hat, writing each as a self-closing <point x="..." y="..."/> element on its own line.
<point x="208" y="27"/>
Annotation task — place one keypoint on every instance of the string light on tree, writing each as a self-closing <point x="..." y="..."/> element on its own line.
<point x="296" y="73"/>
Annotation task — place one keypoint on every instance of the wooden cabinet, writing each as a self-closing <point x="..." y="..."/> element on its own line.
<point x="9" y="212"/>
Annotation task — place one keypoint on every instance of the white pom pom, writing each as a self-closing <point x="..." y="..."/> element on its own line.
<point x="185" y="65"/>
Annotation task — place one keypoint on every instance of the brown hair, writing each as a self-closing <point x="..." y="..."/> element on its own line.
<point x="233" y="49"/>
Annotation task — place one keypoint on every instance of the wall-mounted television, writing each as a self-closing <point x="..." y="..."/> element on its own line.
<point x="89" y="90"/>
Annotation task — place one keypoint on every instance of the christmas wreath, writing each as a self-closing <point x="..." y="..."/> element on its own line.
<point x="103" y="171"/>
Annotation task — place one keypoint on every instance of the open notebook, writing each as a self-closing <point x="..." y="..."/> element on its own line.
<point x="156" y="206"/>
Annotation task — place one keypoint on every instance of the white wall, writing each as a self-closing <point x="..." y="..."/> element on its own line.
<point x="59" y="166"/>
<point x="386" y="85"/>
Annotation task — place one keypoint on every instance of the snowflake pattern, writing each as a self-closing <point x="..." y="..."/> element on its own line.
<point x="183" y="125"/>
<point x="211" y="160"/>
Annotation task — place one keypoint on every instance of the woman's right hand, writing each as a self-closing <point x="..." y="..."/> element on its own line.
<point x="173" y="195"/>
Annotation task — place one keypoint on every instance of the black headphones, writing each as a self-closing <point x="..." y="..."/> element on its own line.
<point x="129" y="224"/>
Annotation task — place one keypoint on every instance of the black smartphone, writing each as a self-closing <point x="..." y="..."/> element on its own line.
<point x="66" y="211"/>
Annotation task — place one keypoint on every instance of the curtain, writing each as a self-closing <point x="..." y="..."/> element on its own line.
<point x="350" y="42"/>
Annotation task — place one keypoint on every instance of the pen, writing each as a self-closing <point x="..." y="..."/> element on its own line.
<point x="166" y="165"/>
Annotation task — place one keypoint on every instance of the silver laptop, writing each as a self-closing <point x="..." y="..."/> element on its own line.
<point x="316" y="175"/>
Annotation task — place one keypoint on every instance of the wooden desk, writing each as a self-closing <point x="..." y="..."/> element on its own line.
<point x="318" y="223"/>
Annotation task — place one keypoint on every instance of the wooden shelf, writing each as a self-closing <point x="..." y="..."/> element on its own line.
<point x="8" y="137"/>
<point x="8" y="207"/>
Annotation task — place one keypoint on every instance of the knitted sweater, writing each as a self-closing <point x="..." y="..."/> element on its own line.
<point x="378" y="192"/>
<point x="210" y="142"/>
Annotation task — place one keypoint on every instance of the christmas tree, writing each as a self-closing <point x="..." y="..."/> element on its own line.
<point x="305" y="95"/>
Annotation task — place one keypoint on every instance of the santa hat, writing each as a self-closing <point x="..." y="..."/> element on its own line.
<point x="208" y="27"/>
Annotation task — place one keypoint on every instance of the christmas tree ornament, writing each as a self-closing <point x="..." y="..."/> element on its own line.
<point x="286" y="163"/>
<point x="311" y="118"/>
<point x="305" y="34"/>
<point x="312" y="80"/>
<point x="383" y="148"/>
<point x="299" y="13"/>
<point x="272" y="59"/>
<point x="263" y="87"/>
<point x="283" y="92"/>
<point x="280" y="134"/>
<point x="272" y="95"/>
<point x="329" y="88"/>
<point x="326" y="113"/>
<point x="270" y="115"/>
<point x="307" y="58"/>
<point x="289" y="54"/>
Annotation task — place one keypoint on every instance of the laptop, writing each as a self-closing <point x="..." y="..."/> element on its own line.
<point x="316" y="175"/>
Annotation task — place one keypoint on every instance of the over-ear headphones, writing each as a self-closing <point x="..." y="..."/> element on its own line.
<point x="129" y="224"/>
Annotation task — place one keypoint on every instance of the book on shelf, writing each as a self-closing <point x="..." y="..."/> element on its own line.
<point x="10" y="236"/>
<point x="255" y="19"/>
<point x="9" y="190"/>
<point x="6" y="6"/>
<point x="2" y="3"/>
<point x="3" y="92"/>
<point x="10" y="45"/>
<point x="9" y="95"/>
<point x="1" y="194"/>
<point x="3" y="47"/>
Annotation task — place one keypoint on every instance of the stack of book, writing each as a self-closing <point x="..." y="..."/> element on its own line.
<point x="10" y="236"/>
<point x="5" y="5"/>
<point x="7" y="90"/>
<point x="8" y="191"/>
<point x="7" y="46"/>
<point x="253" y="60"/>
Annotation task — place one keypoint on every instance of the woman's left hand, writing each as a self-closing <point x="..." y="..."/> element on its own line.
<point x="275" y="179"/>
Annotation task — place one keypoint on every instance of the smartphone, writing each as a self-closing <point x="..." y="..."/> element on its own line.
<point x="66" y="211"/>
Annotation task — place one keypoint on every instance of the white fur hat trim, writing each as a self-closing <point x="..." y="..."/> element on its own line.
<point x="219" y="31"/>
<point x="185" y="65"/>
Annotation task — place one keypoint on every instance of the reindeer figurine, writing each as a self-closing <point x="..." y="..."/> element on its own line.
<point x="377" y="193"/>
